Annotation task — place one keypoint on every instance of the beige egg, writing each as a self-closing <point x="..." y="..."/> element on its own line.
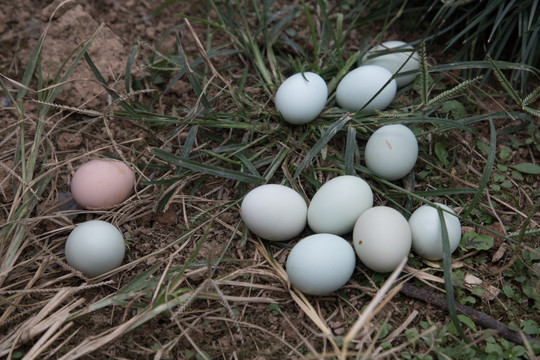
<point x="102" y="183"/>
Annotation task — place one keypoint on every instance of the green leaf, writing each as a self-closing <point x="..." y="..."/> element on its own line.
<point x="441" y="153"/>
<point x="527" y="168"/>
<point x="476" y="241"/>
<point x="467" y="321"/>
<point x="508" y="291"/>
<point x="505" y="153"/>
<point x="529" y="327"/>
<point x="493" y="348"/>
<point x="455" y="108"/>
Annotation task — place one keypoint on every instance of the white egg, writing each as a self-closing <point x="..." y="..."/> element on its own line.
<point x="359" y="86"/>
<point x="301" y="97"/>
<point x="320" y="264"/>
<point x="337" y="204"/>
<point x="274" y="212"/>
<point x="95" y="247"/>
<point x="382" y="55"/>
<point x="391" y="151"/>
<point x="382" y="238"/>
<point x="427" y="231"/>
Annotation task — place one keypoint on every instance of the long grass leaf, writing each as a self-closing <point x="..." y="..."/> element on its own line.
<point x="324" y="139"/>
<point x="442" y="97"/>
<point x="505" y="83"/>
<point x="112" y="93"/>
<point x="276" y="163"/>
<point x="351" y="148"/>
<point x="487" y="170"/>
<point x="30" y="68"/>
<point x="208" y="169"/>
<point x="532" y="111"/>
<point x="314" y="38"/>
<point x="529" y="98"/>
<point x="448" y="283"/>
<point x="423" y="76"/>
<point x="129" y="65"/>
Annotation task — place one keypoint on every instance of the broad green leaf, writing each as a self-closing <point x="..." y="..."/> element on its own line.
<point x="455" y="108"/>
<point x="527" y="168"/>
<point x="530" y="327"/>
<point x="467" y="321"/>
<point x="441" y="153"/>
<point x="476" y="241"/>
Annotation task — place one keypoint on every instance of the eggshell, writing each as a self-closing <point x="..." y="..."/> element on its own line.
<point x="337" y="204"/>
<point x="102" y="183"/>
<point x="426" y="231"/>
<point x="274" y="212"/>
<point x="320" y="264"/>
<point x="301" y="97"/>
<point x="359" y="86"/>
<point x="95" y="247"/>
<point x="382" y="238"/>
<point x="391" y="151"/>
<point x="382" y="55"/>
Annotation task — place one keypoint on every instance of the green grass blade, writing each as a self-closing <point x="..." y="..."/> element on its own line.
<point x="442" y="97"/>
<point x="314" y="37"/>
<point x="129" y="65"/>
<point x="448" y="284"/>
<point x="276" y="163"/>
<point x="424" y="82"/>
<point x="351" y="148"/>
<point x="529" y="98"/>
<point x="505" y="83"/>
<point x="114" y="95"/>
<point x="532" y="111"/>
<point x="30" y="68"/>
<point x="209" y="169"/>
<point x="324" y="139"/>
<point x="179" y="276"/>
<point x="487" y="170"/>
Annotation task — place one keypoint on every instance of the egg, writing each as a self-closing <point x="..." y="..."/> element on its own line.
<point x="382" y="55"/>
<point x="391" y="151"/>
<point x="95" y="247"/>
<point x="102" y="183"/>
<point x="382" y="238"/>
<point x="359" y="86"/>
<point x="320" y="264"/>
<point x="274" y="212"/>
<point x="301" y="97"/>
<point x="338" y="203"/>
<point x="427" y="231"/>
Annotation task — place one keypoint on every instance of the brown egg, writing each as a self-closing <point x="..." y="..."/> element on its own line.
<point x="102" y="183"/>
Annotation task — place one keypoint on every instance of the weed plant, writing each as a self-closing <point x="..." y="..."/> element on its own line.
<point x="502" y="30"/>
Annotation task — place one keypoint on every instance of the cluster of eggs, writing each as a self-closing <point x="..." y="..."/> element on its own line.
<point x="95" y="247"/>
<point x="323" y="262"/>
<point x="381" y="236"/>
<point x="371" y="86"/>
